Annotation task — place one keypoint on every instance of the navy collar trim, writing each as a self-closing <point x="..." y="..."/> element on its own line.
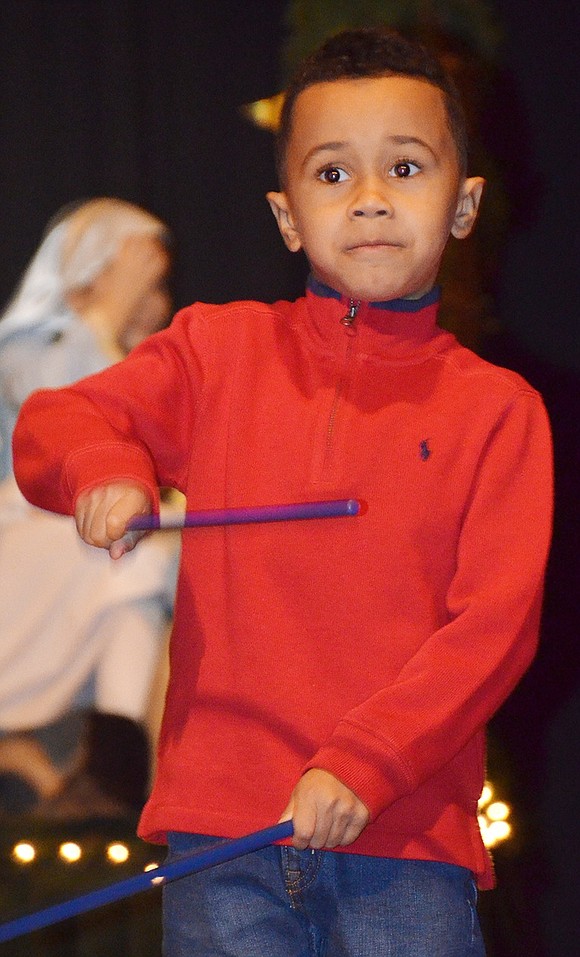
<point x="393" y="305"/>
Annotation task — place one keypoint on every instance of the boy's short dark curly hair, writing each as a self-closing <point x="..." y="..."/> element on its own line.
<point x="367" y="53"/>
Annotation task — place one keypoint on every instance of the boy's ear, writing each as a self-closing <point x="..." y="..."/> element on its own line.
<point x="470" y="193"/>
<point x="281" y="208"/>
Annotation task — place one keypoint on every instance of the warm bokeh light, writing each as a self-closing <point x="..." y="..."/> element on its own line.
<point x="70" y="852"/>
<point x="498" y="811"/>
<point x="23" y="852"/>
<point x="118" y="853"/>
<point x="500" y="830"/>
<point x="493" y="817"/>
<point x="486" y="794"/>
<point x="265" y="113"/>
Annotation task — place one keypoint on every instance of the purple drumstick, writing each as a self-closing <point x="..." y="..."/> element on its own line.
<point x="241" y="516"/>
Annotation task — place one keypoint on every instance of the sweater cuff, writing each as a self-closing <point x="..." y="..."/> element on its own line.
<point x="107" y="462"/>
<point x="368" y="765"/>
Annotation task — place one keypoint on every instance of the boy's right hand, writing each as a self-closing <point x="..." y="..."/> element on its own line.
<point x="103" y="513"/>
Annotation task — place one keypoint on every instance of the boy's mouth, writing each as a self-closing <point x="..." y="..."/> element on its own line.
<point x="374" y="244"/>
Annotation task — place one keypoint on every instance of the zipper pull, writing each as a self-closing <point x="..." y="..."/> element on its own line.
<point x="349" y="318"/>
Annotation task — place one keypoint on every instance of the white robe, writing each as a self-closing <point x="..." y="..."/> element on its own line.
<point x="76" y="628"/>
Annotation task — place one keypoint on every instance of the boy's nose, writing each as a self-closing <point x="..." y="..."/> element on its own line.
<point x="371" y="211"/>
<point x="371" y="201"/>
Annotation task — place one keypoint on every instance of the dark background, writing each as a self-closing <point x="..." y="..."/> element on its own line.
<point x="141" y="99"/>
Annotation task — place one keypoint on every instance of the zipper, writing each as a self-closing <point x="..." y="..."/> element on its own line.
<point x="351" y="314"/>
<point x="348" y="321"/>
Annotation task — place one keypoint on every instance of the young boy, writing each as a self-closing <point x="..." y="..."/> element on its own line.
<point x="337" y="672"/>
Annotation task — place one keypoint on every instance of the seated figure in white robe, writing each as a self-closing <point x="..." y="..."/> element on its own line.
<point x="79" y="633"/>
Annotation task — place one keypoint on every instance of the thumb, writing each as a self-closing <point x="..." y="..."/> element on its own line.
<point x="127" y="543"/>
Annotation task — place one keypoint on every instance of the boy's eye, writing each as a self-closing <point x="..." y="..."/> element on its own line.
<point x="404" y="169"/>
<point x="333" y="174"/>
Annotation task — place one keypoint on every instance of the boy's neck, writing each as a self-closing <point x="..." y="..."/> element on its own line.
<point x="405" y="303"/>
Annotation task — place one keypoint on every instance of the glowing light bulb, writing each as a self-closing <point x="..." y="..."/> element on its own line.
<point x="498" y="811"/>
<point x="118" y="853"/>
<point x="70" y="852"/>
<point x="493" y="817"/>
<point x="486" y="794"/>
<point x="487" y="838"/>
<point x="23" y="852"/>
<point x="499" y="831"/>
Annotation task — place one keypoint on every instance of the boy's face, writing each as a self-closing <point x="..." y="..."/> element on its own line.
<point x="373" y="186"/>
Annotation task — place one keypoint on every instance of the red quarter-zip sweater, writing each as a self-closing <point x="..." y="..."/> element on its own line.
<point x="374" y="647"/>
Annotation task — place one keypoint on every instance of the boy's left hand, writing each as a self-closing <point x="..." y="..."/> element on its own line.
<point x="324" y="812"/>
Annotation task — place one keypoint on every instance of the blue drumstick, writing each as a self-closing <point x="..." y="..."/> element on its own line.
<point x="190" y="864"/>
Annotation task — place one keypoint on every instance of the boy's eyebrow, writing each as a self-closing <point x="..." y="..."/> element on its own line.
<point x="401" y="139"/>
<point x="323" y="148"/>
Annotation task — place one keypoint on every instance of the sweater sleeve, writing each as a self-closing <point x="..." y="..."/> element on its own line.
<point x="131" y="421"/>
<point x="446" y="693"/>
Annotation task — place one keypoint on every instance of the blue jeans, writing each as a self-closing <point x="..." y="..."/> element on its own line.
<point x="280" y="902"/>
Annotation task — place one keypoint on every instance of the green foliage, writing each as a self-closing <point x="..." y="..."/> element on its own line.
<point x="472" y="24"/>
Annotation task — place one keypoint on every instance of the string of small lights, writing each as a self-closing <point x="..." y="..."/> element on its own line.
<point x="28" y="851"/>
<point x="225" y="850"/>
<point x="494" y="817"/>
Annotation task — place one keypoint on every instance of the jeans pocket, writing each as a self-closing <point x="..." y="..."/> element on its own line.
<point x="476" y="942"/>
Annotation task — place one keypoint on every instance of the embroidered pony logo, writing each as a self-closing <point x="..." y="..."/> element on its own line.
<point x="424" y="450"/>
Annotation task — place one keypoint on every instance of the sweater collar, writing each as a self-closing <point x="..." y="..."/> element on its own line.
<point x="393" y="305"/>
<point x="401" y="329"/>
